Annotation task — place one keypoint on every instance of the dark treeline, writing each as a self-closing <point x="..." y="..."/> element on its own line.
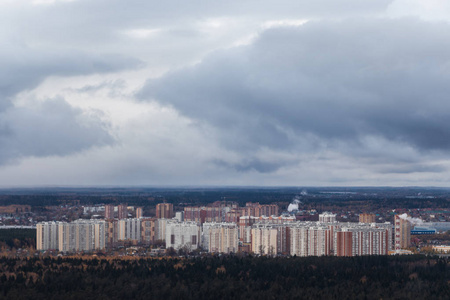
<point x="227" y="277"/>
<point x="315" y="198"/>
<point x="18" y="238"/>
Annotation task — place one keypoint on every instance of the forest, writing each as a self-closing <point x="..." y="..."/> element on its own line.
<point x="226" y="277"/>
<point x="374" y="198"/>
<point x="17" y="238"/>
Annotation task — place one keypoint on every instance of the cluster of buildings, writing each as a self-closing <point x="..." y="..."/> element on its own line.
<point x="224" y="227"/>
<point x="226" y="211"/>
<point x="325" y="237"/>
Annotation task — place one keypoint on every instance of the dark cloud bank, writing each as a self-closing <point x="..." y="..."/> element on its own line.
<point x="324" y="85"/>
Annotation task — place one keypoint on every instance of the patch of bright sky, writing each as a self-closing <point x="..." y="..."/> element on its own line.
<point x="49" y="2"/>
<point x="430" y="10"/>
<point x="142" y="33"/>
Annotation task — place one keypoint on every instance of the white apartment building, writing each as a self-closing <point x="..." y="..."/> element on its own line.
<point x="182" y="234"/>
<point x="160" y="229"/>
<point x="67" y="237"/>
<point x="220" y="237"/>
<point x="129" y="229"/>
<point x="327" y="217"/>
<point x="204" y="239"/>
<point x="264" y="239"/>
<point x="309" y="239"/>
<point x="299" y="240"/>
<point x="80" y="235"/>
<point x="47" y="235"/>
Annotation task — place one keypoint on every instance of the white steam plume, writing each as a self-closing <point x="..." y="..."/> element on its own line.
<point x="294" y="205"/>
<point x="415" y="221"/>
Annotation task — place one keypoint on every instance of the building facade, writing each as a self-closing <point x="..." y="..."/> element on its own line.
<point x="109" y="211"/>
<point x="220" y="237"/>
<point x="402" y="233"/>
<point x="182" y="235"/>
<point x="47" y="235"/>
<point x="122" y="211"/>
<point x="164" y="211"/>
<point x="129" y="230"/>
<point x="264" y="239"/>
<point x="367" y="218"/>
<point x="80" y="235"/>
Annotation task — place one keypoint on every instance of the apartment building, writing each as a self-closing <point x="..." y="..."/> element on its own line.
<point x="220" y="237"/>
<point x="402" y="232"/>
<point x="182" y="234"/>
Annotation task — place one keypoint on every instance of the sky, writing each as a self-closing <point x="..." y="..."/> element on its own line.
<point x="224" y="93"/>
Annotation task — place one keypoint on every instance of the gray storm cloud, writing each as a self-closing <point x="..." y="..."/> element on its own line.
<point x="327" y="85"/>
<point x="52" y="126"/>
<point x="49" y="128"/>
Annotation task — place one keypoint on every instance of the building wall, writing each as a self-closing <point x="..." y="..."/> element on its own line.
<point x="122" y="211"/>
<point x="47" y="236"/>
<point x="362" y="240"/>
<point x="129" y="229"/>
<point x="182" y="234"/>
<point x="220" y="237"/>
<point x="80" y="235"/>
<point x="367" y="218"/>
<point x="109" y="211"/>
<point x="299" y="240"/>
<point x="179" y="215"/>
<point x="264" y="239"/>
<point x="344" y="243"/>
<point x="148" y="230"/>
<point x="67" y="237"/>
<point x="316" y="241"/>
<point x="164" y="210"/>
<point x="233" y="216"/>
<point x="258" y="210"/>
<point x="111" y="232"/>
<point x="402" y="233"/>
<point x="160" y="229"/>
<point x="246" y="222"/>
<point x="215" y="212"/>
<point x="327" y="217"/>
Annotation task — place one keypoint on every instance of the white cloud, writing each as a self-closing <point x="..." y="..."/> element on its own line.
<point x="430" y="10"/>
<point x="142" y="33"/>
<point x="281" y="23"/>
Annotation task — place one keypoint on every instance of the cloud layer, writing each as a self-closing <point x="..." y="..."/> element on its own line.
<point x="324" y="85"/>
<point x="48" y="127"/>
<point x="243" y="92"/>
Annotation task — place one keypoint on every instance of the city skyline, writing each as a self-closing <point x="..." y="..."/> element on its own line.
<point x="247" y="93"/>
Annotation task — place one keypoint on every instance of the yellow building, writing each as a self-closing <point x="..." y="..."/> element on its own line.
<point x="402" y="232"/>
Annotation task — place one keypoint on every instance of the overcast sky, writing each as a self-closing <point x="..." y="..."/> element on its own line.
<point x="287" y="92"/>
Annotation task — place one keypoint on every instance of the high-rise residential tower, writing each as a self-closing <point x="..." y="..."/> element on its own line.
<point x="122" y="211"/>
<point x="109" y="211"/>
<point x="164" y="210"/>
<point x="367" y="218"/>
<point x="402" y="232"/>
<point x="139" y="213"/>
